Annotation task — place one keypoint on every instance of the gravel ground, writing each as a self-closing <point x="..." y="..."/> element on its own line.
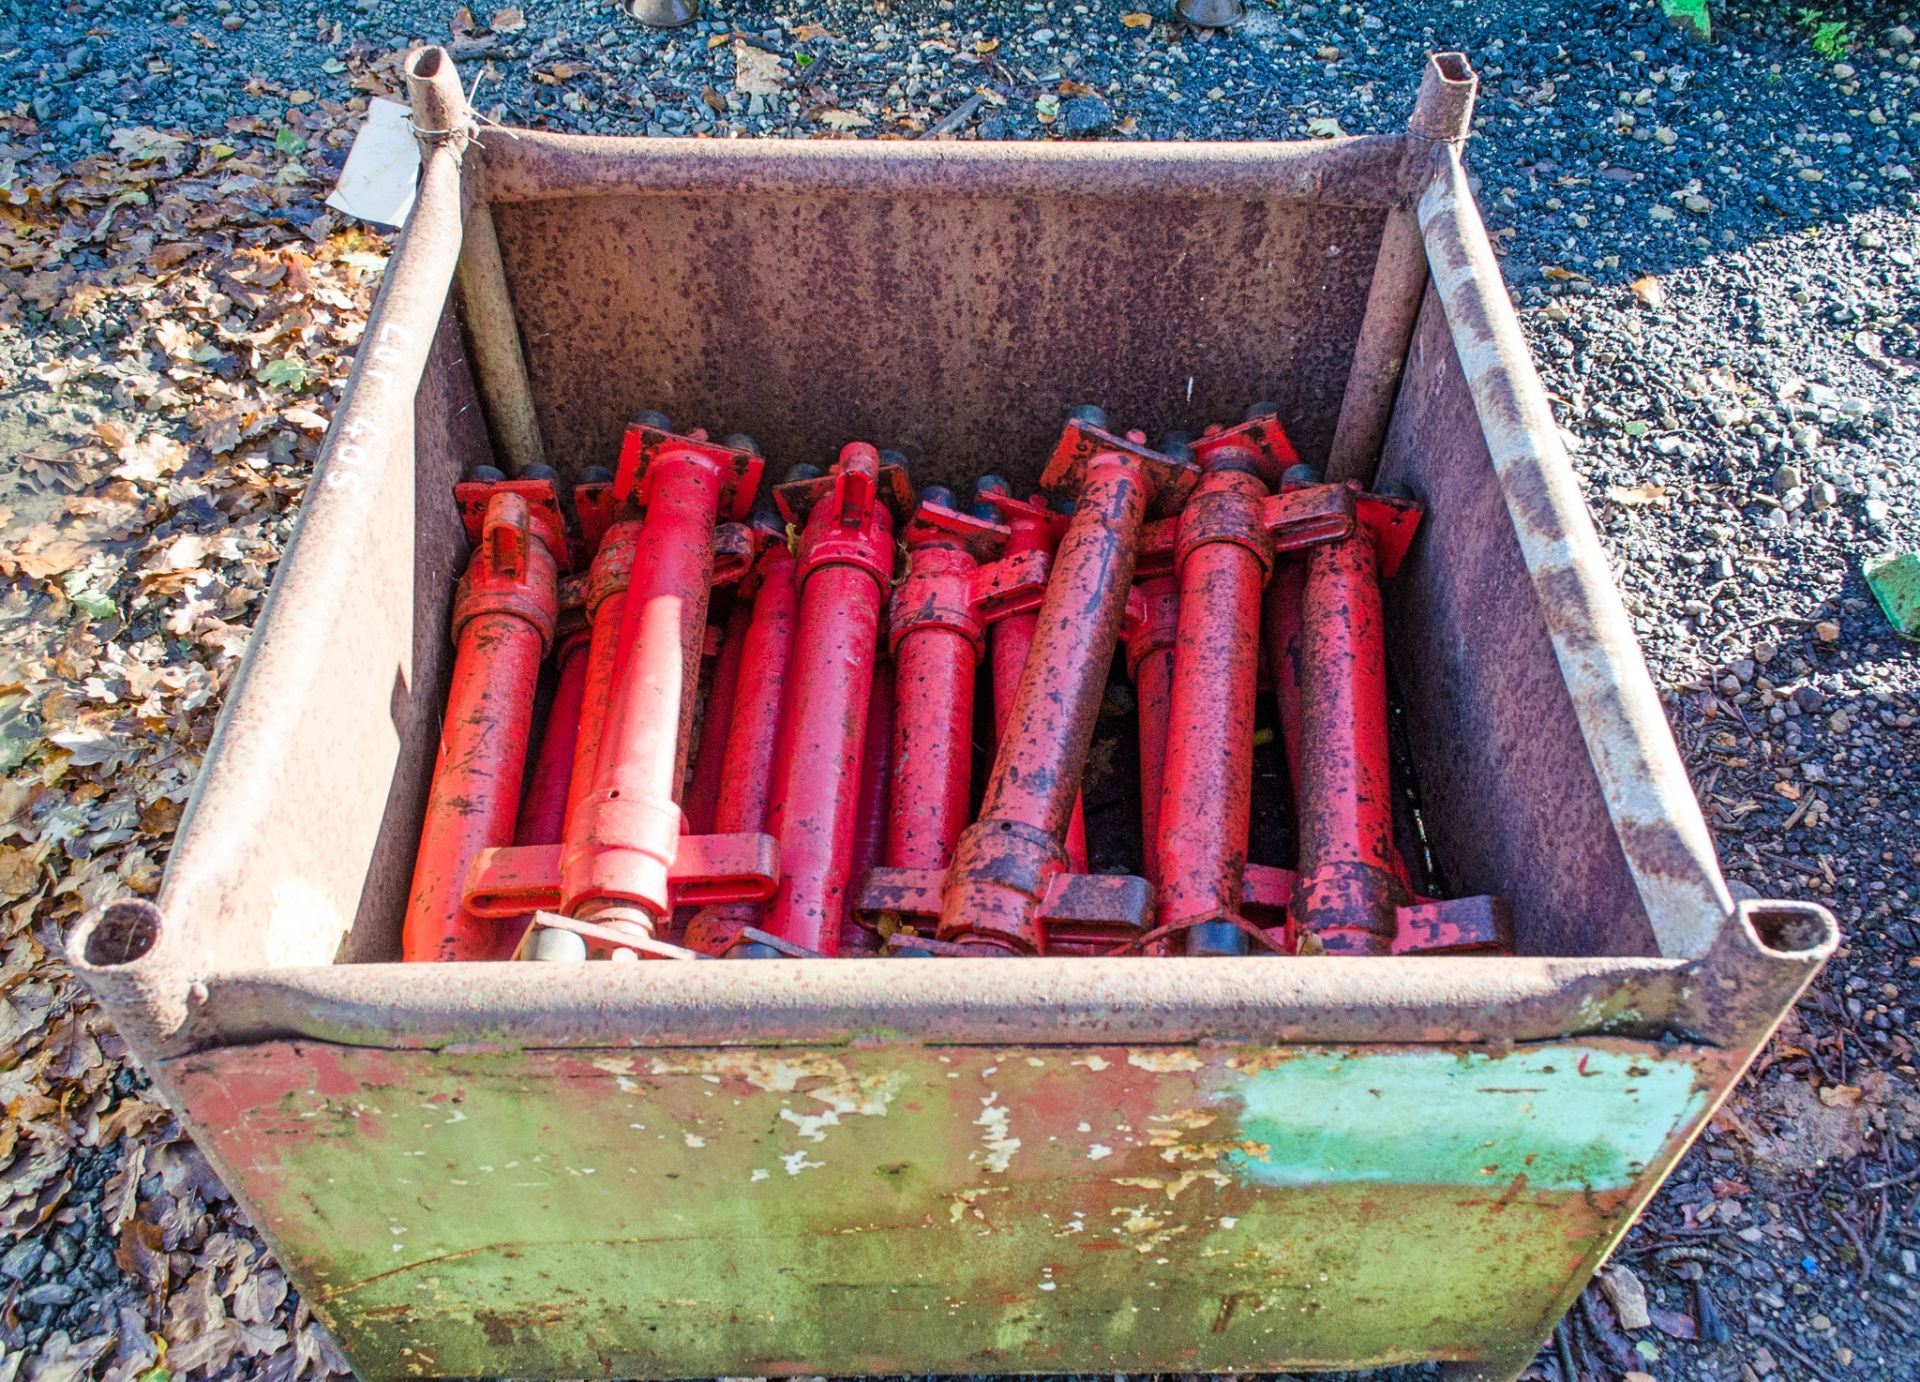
<point x="1713" y="245"/>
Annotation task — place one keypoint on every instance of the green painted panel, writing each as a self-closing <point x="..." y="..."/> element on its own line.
<point x="1441" y="1118"/>
<point x="898" y="1208"/>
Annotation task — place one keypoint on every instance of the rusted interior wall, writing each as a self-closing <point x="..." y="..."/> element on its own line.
<point x="450" y="437"/>
<point x="1510" y="794"/>
<point x="957" y="329"/>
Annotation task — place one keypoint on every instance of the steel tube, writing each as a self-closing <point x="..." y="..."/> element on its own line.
<point x="504" y="615"/>
<point x="543" y="812"/>
<point x="846" y="557"/>
<point x="753" y="735"/>
<point x="607" y="582"/>
<point x="1150" y="664"/>
<point x="766" y="652"/>
<point x="933" y="731"/>
<point x="1280" y="635"/>
<point x="1206" y="795"/>
<point x="616" y="862"/>
<point x="709" y="760"/>
<point x="543" y="809"/>
<point x="1004" y="861"/>
<point x="1009" y="639"/>
<point x="873" y="810"/>
<point x="1347" y="896"/>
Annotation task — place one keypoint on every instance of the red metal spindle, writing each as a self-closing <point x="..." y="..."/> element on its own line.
<point x="626" y="832"/>
<point x="754" y="736"/>
<point x="937" y="640"/>
<point x="846" y="566"/>
<point x="503" y="619"/>
<point x="1006" y="859"/>
<point x="543" y="811"/>
<point x="1206" y="795"/>
<point x="606" y="607"/>
<point x="876" y="791"/>
<point x="1280" y="633"/>
<point x="543" y="814"/>
<point x="1150" y="641"/>
<point x="1347" y="895"/>
<point x="709" y="760"/>
<point x="1008" y="642"/>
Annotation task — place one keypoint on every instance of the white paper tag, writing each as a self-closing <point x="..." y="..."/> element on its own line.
<point x="382" y="167"/>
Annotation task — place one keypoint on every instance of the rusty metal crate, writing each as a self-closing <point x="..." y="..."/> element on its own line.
<point x="968" y="1165"/>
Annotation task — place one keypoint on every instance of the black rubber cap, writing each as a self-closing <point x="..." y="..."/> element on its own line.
<point x="740" y="441"/>
<point x="1260" y="410"/>
<point x="1393" y="489"/>
<point x="1174" y="447"/>
<point x="805" y="470"/>
<point x="991" y="484"/>
<point x="941" y="495"/>
<point x="596" y="475"/>
<point x="538" y="472"/>
<point x="1302" y="474"/>
<point x="651" y="418"/>
<point x="1092" y="414"/>
<point x="891" y="457"/>
<point x="486" y="475"/>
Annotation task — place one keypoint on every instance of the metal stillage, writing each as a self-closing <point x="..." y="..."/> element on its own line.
<point x="870" y="1165"/>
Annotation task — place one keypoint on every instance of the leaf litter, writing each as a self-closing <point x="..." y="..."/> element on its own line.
<point x="194" y="308"/>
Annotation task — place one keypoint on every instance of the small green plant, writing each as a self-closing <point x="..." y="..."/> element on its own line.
<point x="1831" y="37"/>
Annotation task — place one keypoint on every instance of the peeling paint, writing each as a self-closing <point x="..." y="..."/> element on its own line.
<point x="1163" y="1060"/>
<point x="1000" y="1146"/>
<point x="1460" y="1119"/>
<point x="1163" y="1178"/>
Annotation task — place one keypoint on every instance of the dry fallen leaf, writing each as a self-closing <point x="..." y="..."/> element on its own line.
<point x="1650" y="290"/>
<point x="757" y="72"/>
<point x="1637" y="496"/>
<point x="1138" y="19"/>
<point x="1626" y="1294"/>
<point x="844" y="120"/>
<point x="1560" y="275"/>
<point x="508" y="21"/>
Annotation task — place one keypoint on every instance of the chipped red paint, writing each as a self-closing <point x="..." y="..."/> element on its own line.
<point x="606" y="602"/>
<point x="1007" y="860"/>
<point x="709" y="761"/>
<point x="1351" y="896"/>
<point x="1152" y="624"/>
<point x="1033" y="534"/>
<point x="626" y="829"/>
<point x="845" y="568"/>
<point x="875" y="805"/>
<point x="1206" y="794"/>
<point x="503" y="620"/>
<point x="753" y="736"/>
<point x="938" y="634"/>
